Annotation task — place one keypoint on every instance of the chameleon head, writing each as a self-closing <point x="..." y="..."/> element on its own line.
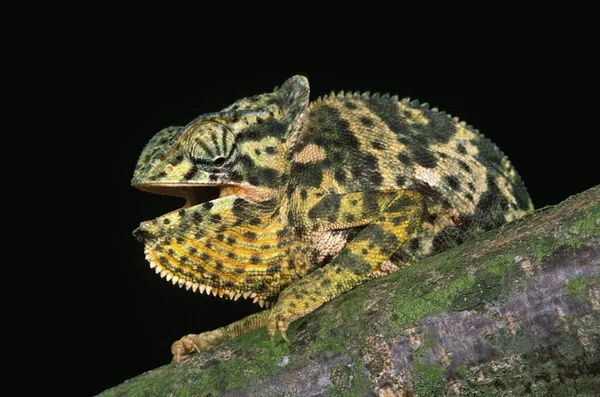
<point x="235" y="245"/>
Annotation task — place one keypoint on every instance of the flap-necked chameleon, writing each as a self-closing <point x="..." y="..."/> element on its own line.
<point x="315" y="198"/>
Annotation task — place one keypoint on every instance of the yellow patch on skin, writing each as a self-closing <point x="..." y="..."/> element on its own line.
<point x="263" y="160"/>
<point x="309" y="154"/>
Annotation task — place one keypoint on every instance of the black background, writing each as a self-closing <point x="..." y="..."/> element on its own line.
<point x="95" y="83"/>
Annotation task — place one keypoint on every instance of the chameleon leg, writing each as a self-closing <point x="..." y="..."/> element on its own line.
<point x="193" y="343"/>
<point x="397" y="220"/>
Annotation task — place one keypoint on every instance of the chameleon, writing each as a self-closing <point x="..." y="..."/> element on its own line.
<point x="315" y="198"/>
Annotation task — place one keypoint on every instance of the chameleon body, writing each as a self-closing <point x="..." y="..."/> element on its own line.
<point x="315" y="198"/>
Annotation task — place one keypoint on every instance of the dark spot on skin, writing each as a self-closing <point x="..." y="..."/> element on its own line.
<point x="270" y="150"/>
<point x="257" y="152"/>
<point x="291" y="264"/>
<point x="270" y="127"/>
<point x="254" y="259"/>
<point x="426" y="159"/>
<point x="281" y="233"/>
<point x="431" y="218"/>
<point x="213" y="177"/>
<point x="324" y="209"/>
<point x="179" y="240"/>
<point x="469" y="196"/>
<point x="166" y="221"/>
<point x="350" y="105"/>
<point x="219" y="265"/>
<point x="364" y="251"/>
<point x="414" y="244"/>
<point x="208" y="205"/>
<point x="376" y="233"/>
<point x="178" y="159"/>
<point x="181" y="212"/>
<point x="231" y="240"/>
<point x="170" y="251"/>
<point x="325" y="282"/>
<point x="365" y="170"/>
<point x="377" y="145"/>
<point x="220" y="237"/>
<point x="198" y="235"/>
<point x="464" y="166"/>
<point x="471" y="186"/>
<point x="492" y="207"/>
<point x="215" y="218"/>
<point x="264" y="176"/>
<point x="274" y="269"/>
<point x="404" y="158"/>
<point x="401" y="204"/>
<point x="204" y="256"/>
<point x="235" y="176"/>
<point x="350" y="218"/>
<point x="398" y="220"/>
<point x="453" y="182"/>
<point x="265" y="247"/>
<point x="303" y="194"/>
<point x="339" y="286"/>
<point x="431" y="194"/>
<point x="340" y="176"/>
<point x="366" y="121"/>
<point x="246" y="161"/>
<point x="353" y="202"/>
<point x="460" y="148"/>
<point x="307" y="175"/>
<point x="250" y="235"/>
<point x="400" y="180"/>
<point x="240" y="270"/>
<point x="255" y="221"/>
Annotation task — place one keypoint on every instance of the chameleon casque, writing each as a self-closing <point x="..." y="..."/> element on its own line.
<point x="315" y="198"/>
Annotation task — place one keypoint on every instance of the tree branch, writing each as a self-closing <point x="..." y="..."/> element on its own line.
<point x="515" y="310"/>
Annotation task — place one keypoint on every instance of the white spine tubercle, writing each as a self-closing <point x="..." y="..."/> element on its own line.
<point x="203" y="288"/>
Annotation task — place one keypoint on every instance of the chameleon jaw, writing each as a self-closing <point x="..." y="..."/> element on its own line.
<point x="204" y="288"/>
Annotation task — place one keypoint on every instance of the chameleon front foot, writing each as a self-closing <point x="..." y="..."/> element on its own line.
<point x="195" y="343"/>
<point x="295" y="302"/>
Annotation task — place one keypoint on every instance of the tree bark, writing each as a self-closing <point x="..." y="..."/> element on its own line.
<point x="514" y="311"/>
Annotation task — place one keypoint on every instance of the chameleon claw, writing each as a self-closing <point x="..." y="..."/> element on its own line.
<point x="284" y="335"/>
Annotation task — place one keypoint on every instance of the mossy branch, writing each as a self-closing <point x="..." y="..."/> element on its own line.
<point x="515" y="311"/>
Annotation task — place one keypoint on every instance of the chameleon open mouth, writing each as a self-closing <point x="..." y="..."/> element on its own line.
<point x="193" y="194"/>
<point x="194" y="260"/>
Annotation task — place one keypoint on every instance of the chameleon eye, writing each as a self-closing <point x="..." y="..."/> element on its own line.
<point x="219" y="161"/>
<point x="210" y="145"/>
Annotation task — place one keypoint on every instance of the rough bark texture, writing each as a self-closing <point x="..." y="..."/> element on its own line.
<point x="513" y="312"/>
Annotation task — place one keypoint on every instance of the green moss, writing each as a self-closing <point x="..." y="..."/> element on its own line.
<point x="411" y="308"/>
<point x="429" y="378"/>
<point x="429" y="341"/>
<point x="580" y="288"/>
<point x="543" y="246"/>
<point x="463" y="370"/>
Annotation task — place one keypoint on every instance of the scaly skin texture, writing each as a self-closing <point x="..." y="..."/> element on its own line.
<point x="315" y="198"/>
